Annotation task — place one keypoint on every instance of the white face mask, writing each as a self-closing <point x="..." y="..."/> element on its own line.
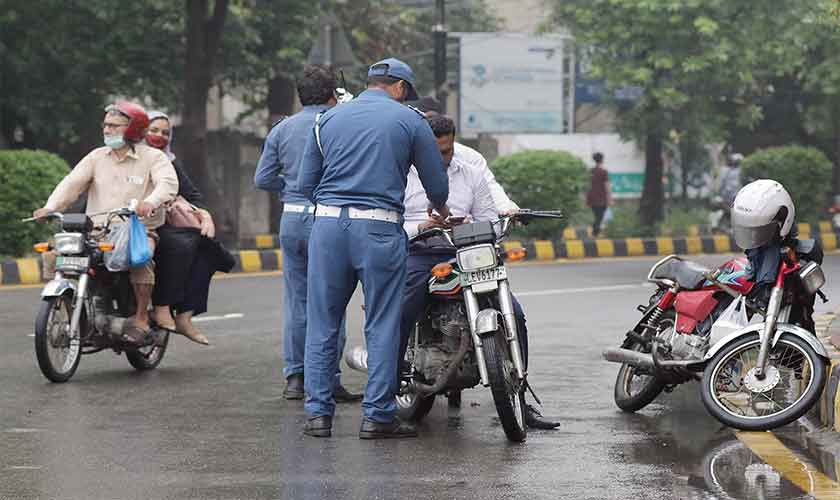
<point x="114" y="141"/>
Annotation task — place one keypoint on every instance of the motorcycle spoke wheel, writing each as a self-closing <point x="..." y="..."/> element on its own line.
<point x="794" y="376"/>
<point x="57" y="352"/>
<point x="148" y="357"/>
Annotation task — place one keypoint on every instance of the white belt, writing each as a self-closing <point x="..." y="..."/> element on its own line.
<point x="356" y="213"/>
<point x="291" y="207"/>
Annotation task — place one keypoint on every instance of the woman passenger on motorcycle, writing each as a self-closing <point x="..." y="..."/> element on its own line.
<point x="187" y="255"/>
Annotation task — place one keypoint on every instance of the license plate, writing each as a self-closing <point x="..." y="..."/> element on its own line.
<point x="474" y="277"/>
<point x="71" y="262"/>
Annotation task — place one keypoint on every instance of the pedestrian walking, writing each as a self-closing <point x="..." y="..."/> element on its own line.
<point x="599" y="197"/>
<point x="354" y="169"/>
<point x="277" y="173"/>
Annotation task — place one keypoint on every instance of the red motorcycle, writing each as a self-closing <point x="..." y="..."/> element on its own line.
<point x="760" y="367"/>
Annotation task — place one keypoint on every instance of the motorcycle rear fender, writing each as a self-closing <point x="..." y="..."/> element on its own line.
<point x="487" y="321"/>
<point x="781" y="328"/>
<point x="58" y="287"/>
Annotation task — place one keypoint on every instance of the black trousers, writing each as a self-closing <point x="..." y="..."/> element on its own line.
<point x="185" y="263"/>
<point x="598" y="212"/>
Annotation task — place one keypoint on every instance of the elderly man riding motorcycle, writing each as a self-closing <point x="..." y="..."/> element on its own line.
<point x="122" y="170"/>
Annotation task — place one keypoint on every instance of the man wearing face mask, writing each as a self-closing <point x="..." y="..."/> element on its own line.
<point x="114" y="175"/>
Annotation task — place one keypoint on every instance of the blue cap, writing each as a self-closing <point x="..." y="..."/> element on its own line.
<point x="395" y="68"/>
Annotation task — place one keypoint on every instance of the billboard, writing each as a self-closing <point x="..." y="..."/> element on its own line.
<point x="511" y="84"/>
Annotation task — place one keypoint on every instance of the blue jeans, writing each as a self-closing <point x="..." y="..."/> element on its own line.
<point x="342" y="252"/>
<point x="295" y="229"/>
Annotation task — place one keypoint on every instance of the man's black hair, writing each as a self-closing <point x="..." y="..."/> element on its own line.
<point x="598" y="157"/>
<point x="316" y="85"/>
<point x="426" y="104"/>
<point x="442" y="125"/>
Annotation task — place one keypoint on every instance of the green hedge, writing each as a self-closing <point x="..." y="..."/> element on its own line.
<point x="26" y="180"/>
<point x="544" y="180"/>
<point x="804" y="171"/>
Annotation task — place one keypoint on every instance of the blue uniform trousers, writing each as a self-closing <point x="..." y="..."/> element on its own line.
<point x="295" y="228"/>
<point x="416" y="297"/>
<point x="342" y="252"/>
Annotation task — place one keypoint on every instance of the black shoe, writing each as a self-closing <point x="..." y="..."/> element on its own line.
<point x="294" y="387"/>
<point x="535" y="420"/>
<point x="342" y="395"/>
<point x="318" y="427"/>
<point x="394" y="430"/>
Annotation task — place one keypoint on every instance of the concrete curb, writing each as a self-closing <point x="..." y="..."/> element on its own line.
<point x="829" y="333"/>
<point x="27" y="271"/>
<point x="271" y="241"/>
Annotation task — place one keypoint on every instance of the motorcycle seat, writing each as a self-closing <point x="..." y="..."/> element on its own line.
<point x="690" y="275"/>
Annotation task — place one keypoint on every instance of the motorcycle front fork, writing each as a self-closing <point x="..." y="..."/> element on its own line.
<point x="506" y="306"/>
<point x="773" y="308"/>
<point x="81" y="294"/>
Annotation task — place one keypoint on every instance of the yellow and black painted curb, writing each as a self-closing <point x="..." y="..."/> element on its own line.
<point x="830" y="401"/>
<point x="28" y="270"/>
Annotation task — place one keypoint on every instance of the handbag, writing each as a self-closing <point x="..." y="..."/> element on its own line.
<point x="183" y="214"/>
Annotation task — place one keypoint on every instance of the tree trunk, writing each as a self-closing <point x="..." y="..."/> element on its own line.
<point x="653" y="194"/>
<point x="685" y="159"/>
<point x="281" y="96"/>
<point x="203" y="36"/>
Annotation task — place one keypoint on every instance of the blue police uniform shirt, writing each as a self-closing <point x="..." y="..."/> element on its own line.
<point x="277" y="170"/>
<point x="369" y="144"/>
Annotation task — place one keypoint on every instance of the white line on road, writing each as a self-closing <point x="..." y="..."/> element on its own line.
<point x="25" y="467"/>
<point x="562" y="291"/>
<point x="218" y="318"/>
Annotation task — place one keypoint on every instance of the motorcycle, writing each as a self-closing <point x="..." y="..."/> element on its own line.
<point x="84" y="307"/>
<point x="755" y="374"/>
<point x="468" y="334"/>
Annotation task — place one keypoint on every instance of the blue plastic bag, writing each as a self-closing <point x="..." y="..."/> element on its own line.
<point x="139" y="251"/>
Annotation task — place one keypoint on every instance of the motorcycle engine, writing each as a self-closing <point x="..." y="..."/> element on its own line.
<point x="448" y="321"/>
<point x="689" y="346"/>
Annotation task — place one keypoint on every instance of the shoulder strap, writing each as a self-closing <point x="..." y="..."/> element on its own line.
<point x="416" y="110"/>
<point x="318" y="132"/>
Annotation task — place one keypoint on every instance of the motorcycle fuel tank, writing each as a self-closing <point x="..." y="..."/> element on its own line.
<point x="734" y="274"/>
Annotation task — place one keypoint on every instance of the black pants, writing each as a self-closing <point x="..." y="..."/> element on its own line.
<point x="185" y="264"/>
<point x="598" y="212"/>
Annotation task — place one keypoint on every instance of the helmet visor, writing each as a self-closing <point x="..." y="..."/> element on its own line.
<point x="754" y="237"/>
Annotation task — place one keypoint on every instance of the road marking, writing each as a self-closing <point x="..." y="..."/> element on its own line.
<point x="21" y="430"/>
<point x="562" y="291"/>
<point x="794" y="469"/>
<point x="25" y="467"/>
<point x="218" y="318"/>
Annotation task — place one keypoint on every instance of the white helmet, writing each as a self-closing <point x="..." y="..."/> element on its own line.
<point x="762" y="210"/>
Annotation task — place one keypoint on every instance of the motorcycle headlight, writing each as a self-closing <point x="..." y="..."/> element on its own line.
<point x="477" y="257"/>
<point x="812" y="277"/>
<point x="69" y="243"/>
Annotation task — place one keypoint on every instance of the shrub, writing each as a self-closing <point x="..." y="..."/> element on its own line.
<point x="804" y="171"/>
<point x="544" y="180"/>
<point x="26" y="180"/>
<point x="678" y="220"/>
<point x="625" y="223"/>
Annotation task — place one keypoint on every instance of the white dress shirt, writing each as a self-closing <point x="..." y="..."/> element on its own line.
<point x="469" y="156"/>
<point x="469" y="196"/>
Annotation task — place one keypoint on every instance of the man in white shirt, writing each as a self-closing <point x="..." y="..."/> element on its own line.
<point x="470" y="198"/>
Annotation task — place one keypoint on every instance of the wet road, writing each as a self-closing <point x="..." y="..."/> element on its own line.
<point x="211" y="422"/>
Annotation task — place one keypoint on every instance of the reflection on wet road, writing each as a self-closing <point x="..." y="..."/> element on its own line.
<point x="211" y="423"/>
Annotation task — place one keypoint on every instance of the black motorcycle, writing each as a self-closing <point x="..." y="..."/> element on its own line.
<point x="84" y="307"/>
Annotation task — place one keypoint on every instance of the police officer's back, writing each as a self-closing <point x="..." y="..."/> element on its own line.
<point x="354" y="169"/>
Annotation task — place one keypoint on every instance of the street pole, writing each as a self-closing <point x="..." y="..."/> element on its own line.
<point x="440" y="53"/>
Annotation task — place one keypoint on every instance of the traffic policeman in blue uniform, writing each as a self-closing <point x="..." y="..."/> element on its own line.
<point x="277" y="172"/>
<point x="354" y="169"/>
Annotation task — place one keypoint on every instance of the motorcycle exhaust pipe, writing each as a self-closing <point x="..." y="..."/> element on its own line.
<point x="626" y="356"/>
<point x="356" y="358"/>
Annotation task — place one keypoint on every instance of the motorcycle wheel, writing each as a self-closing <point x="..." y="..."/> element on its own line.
<point x="796" y="376"/>
<point x="149" y="357"/>
<point x="414" y="407"/>
<point x="509" y="399"/>
<point x="58" y="355"/>
<point x="634" y="391"/>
